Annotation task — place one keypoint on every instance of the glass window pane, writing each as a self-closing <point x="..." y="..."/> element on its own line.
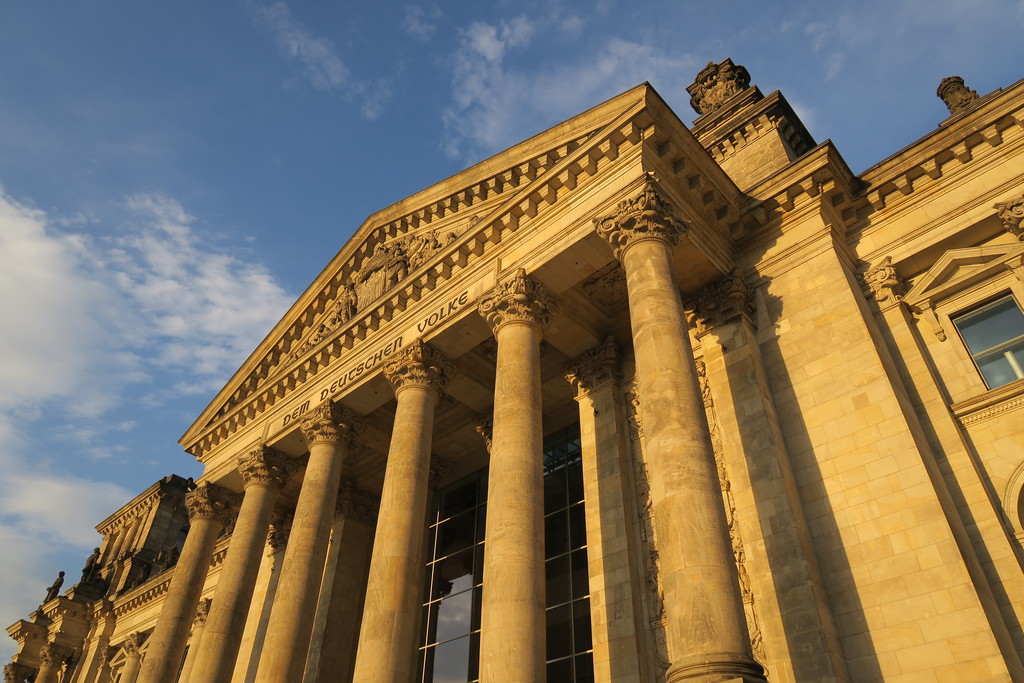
<point x="453" y="574"/>
<point x="554" y="491"/>
<point x="575" y="477"/>
<point x="560" y="670"/>
<point x="474" y="656"/>
<point x="459" y="499"/>
<point x="580" y="579"/>
<point x="559" y="620"/>
<point x="456" y="533"/>
<point x="451" y="662"/>
<point x="994" y="324"/>
<point x="578" y="526"/>
<point x="585" y="668"/>
<point x="557" y="577"/>
<point x="581" y="639"/>
<point x="453" y="616"/>
<point x="556" y="534"/>
<point x="996" y="370"/>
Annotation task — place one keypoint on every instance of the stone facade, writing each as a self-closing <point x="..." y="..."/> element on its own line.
<point x="630" y="401"/>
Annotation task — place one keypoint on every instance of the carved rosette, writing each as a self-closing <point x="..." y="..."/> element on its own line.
<point x="517" y="299"/>
<point x="485" y="428"/>
<point x="1011" y="213"/>
<point x="328" y="422"/>
<point x="645" y="216"/>
<point x="883" y="282"/>
<point x="594" y="368"/>
<point x="209" y="501"/>
<point x="718" y="302"/>
<point x="715" y="84"/>
<point x="419" y="365"/>
<point x="266" y="466"/>
<point x="955" y="94"/>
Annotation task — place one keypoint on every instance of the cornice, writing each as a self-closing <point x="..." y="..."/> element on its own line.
<point x="991" y="404"/>
<point x="242" y="399"/>
<point x="157" y="586"/>
<point x="142" y="503"/>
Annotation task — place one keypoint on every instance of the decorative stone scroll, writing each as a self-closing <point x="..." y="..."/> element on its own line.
<point x="1011" y="213"/>
<point x="715" y="84"/>
<point x="645" y="216"/>
<point x="419" y="364"/>
<point x="209" y="501"/>
<point x="517" y="299"/>
<point x="328" y="422"/>
<point x="266" y="466"/>
<point x="883" y="282"/>
<point x="955" y="94"/>
<point x="718" y="302"/>
<point x="594" y="368"/>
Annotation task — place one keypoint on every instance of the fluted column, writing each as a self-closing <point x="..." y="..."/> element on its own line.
<point x="706" y="630"/>
<point x="209" y="510"/>
<point x="264" y="472"/>
<point x="196" y="642"/>
<point x="51" y="657"/>
<point x="394" y="591"/>
<point x="328" y="430"/>
<point x="512" y="638"/>
<point x="132" y="658"/>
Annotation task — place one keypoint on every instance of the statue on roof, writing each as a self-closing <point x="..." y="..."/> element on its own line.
<point x="54" y="590"/>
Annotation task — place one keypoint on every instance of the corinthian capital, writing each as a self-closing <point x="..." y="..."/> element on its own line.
<point x="645" y="216"/>
<point x="52" y="653"/>
<point x="132" y="643"/>
<point x="265" y="466"/>
<point x="595" y="367"/>
<point x="518" y="299"/>
<point x="1011" y="213"/>
<point x="328" y="422"/>
<point x="419" y="365"/>
<point x="209" y="501"/>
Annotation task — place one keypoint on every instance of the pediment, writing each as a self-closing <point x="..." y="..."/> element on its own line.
<point x="961" y="268"/>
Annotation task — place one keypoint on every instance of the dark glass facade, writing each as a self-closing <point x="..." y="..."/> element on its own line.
<point x="450" y="642"/>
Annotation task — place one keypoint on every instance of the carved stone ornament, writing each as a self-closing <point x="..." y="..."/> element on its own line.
<point x="718" y="302"/>
<point x="715" y="84"/>
<point x="955" y="94"/>
<point x="202" y="611"/>
<point x="607" y="287"/>
<point x="342" y="310"/>
<point x="594" y="368"/>
<point x="132" y="643"/>
<point x="209" y="501"/>
<point x="17" y="673"/>
<point x="1011" y="213"/>
<point x="645" y="216"/>
<point x="277" y="535"/>
<point x="356" y="504"/>
<point x="391" y="261"/>
<point x="517" y="299"/>
<point x="485" y="428"/>
<point x="883" y="282"/>
<point x="266" y="466"/>
<point x="328" y="422"/>
<point x="53" y="654"/>
<point x="419" y="365"/>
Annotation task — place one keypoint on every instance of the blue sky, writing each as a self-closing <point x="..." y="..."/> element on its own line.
<point x="173" y="175"/>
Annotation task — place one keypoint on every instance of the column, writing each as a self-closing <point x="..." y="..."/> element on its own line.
<point x="132" y="646"/>
<point x="196" y="641"/>
<point x="51" y="658"/>
<point x="705" y="625"/>
<point x="264" y="472"/>
<point x="328" y="430"/>
<point x="617" y="623"/>
<point x="512" y="644"/>
<point x="394" y="591"/>
<point x="209" y="510"/>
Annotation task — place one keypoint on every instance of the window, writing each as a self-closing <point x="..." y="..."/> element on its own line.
<point x="994" y="334"/>
<point x="450" y="637"/>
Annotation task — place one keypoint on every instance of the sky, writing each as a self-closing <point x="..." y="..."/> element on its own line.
<point x="174" y="174"/>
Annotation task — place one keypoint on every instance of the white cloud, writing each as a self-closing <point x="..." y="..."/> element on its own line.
<point x="494" y="105"/>
<point x="421" y="22"/>
<point x="322" y="67"/>
<point x="87" y="322"/>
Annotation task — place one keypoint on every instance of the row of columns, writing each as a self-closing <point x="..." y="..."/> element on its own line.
<point x="705" y="624"/>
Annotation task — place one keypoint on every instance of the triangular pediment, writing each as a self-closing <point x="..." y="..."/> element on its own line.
<point x="961" y="268"/>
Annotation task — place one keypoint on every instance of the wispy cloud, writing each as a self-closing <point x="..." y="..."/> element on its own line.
<point x="322" y="66"/>
<point x="494" y="105"/>
<point x="421" y="22"/>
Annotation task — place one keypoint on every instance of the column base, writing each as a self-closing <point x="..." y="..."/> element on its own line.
<point x="716" y="667"/>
